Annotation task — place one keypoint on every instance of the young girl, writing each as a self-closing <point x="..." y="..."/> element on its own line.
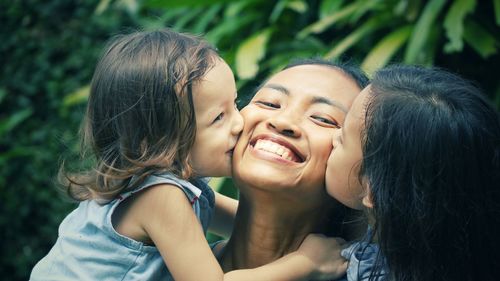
<point x="160" y="118"/>
<point x="420" y="149"/>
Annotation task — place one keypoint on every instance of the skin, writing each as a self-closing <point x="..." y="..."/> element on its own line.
<point x="280" y="161"/>
<point x="218" y="122"/>
<point x="162" y="216"/>
<point x="342" y="182"/>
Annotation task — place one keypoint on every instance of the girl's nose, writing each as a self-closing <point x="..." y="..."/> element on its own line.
<point x="336" y="136"/>
<point x="237" y="125"/>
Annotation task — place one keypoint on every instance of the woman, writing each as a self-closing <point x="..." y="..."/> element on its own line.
<point x="280" y="160"/>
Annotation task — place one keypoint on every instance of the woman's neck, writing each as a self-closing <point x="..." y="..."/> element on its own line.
<point x="266" y="230"/>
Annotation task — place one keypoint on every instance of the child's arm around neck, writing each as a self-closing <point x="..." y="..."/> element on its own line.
<point x="223" y="217"/>
<point x="162" y="215"/>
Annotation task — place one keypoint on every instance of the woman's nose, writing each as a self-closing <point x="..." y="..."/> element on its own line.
<point x="285" y="125"/>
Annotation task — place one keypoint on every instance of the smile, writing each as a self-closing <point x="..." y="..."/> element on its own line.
<point x="282" y="150"/>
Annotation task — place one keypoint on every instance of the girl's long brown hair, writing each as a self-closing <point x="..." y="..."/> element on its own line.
<point x="140" y="117"/>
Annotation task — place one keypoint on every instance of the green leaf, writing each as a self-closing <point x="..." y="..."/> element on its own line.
<point x="184" y="3"/>
<point x="326" y="22"/>
<point x="421" y="31"/>
<point x="250" y="52"/>
<point x="79" y="96"/>
<point x="3" y="94"/>
<point x="454" y="24"/>
<point x="277" y="10"/>
<point x="329" y="6"/>
<point x="228" y="27"/>
<point x="132" y="6"/>
<point x="191" y="14"/>
<point x="9" y="123"/>
<point x="168" y="16"/>
<point x="216" y="183"/>
<point x="298" y="6"/>
<point x="364" y="8"/>
<point x="409" y="10"/>
<point x="479" y="39"/>
<point x="237" y="8"/>
<point x="496" y="4"/>
<point x="204" y="20"/>
<point x="380" y="55"/>
<point x="429" y="53"/>
<point x="228" y="188"/>
<point x="17" y="151"/>
<point x="102" y="6"/>
<point x="353" y="38"/>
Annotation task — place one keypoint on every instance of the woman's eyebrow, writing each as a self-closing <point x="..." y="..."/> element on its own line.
<point x="277" y="87"/>
<point x="323" y="100"/>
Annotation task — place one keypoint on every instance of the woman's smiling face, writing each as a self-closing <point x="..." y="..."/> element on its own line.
<point x="289" y="126"/>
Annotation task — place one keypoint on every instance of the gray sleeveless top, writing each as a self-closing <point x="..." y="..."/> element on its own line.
<point x="88" y="247"/>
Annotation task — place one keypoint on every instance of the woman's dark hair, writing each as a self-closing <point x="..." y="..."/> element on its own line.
<point x="140" y="117"/>
<point x="351" y="70"/>
<point x="431" y="154"/>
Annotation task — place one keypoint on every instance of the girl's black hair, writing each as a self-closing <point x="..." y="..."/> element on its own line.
<point x="431" y="154"/>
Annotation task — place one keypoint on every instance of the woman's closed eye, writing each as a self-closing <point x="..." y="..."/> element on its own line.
<point x="325" y="121"/>
<point x="268" y="104"/>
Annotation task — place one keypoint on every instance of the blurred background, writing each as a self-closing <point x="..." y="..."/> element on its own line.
<point x="48" y="50"/>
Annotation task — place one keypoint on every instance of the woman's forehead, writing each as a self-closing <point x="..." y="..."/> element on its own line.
<point x="315" y="81"/>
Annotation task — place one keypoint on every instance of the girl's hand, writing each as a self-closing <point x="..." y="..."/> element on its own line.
<point x="324" y="254"/>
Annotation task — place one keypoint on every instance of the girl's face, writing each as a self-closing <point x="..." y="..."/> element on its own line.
<point x="218" y="122"/>
<point x="342" y="170"/>
<point x="288" y="129"/>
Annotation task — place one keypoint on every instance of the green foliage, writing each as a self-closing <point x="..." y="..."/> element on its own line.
<point x="454" y="23"/>
<point x="258" y="37"/>
<point x="49" y="51"/>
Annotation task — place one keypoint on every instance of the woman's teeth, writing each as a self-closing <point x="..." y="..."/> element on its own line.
<point x="278" y="149"/>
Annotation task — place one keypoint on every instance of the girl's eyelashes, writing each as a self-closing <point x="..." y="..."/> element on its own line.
<point x="268" y="104"/>
<point x="326" y="121"/>
<point x="218" y="118"/>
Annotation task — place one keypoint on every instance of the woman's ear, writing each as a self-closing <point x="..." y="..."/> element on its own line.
<point x="367" y="198"/>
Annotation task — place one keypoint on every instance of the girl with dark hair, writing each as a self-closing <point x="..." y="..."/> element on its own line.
<point x="420" y="150"/>
<point x="161" y="116"/>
